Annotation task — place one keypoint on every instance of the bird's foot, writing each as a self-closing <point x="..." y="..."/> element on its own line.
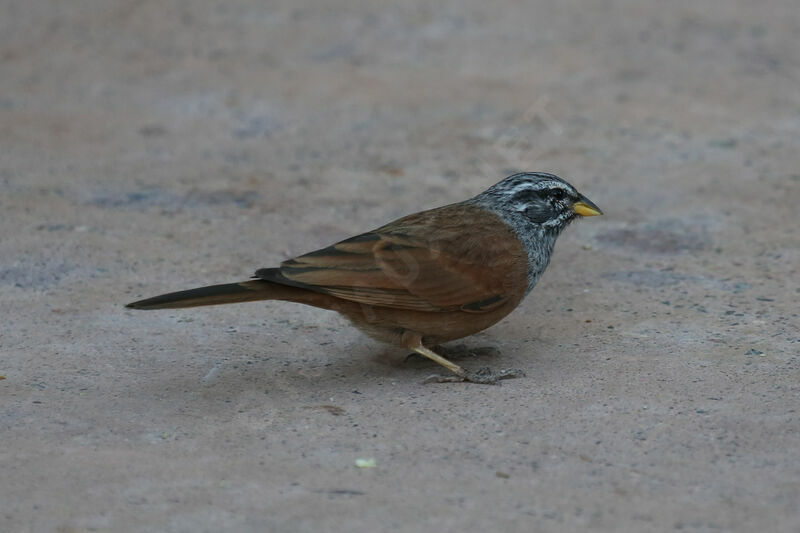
<point x="483" y="376"/>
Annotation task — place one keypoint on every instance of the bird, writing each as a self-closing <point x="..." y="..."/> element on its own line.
<point x="426" y="278"/>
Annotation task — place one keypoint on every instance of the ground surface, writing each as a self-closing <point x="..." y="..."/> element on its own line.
<point x="151" y="146"/>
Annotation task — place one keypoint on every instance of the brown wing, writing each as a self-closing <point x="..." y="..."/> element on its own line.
<point x="454" y="257"/>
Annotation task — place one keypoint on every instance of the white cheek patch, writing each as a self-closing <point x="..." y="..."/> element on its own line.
<point x="558" y="221"/>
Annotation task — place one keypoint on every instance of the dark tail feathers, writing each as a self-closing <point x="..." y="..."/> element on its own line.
<point x="246" y="291"/>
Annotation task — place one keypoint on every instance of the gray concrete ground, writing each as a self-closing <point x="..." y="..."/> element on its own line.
<point x="151" y="146"/>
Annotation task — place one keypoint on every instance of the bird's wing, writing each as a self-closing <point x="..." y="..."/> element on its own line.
<point x="437" y="260"/>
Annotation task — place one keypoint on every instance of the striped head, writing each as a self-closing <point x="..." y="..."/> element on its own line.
<point x="544" y="200"/>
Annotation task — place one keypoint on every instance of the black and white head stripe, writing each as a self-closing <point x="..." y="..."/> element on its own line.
<point x="542" y="198"/>
<point x="531" y="182"/>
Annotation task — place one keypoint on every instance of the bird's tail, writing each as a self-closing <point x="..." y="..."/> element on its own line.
<point x="228" y="293"/>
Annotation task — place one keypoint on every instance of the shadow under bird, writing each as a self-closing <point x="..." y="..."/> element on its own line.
<point x="426" y="278"/>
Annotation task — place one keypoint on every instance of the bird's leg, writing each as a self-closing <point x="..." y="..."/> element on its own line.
<point x="413" y="341"/>
<point x="460" y="351"/>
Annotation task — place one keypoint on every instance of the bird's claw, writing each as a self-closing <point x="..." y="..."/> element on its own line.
<point x="483" y="376"/>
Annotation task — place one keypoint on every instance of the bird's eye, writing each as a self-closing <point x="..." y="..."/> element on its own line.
<point x="558" y="194"/>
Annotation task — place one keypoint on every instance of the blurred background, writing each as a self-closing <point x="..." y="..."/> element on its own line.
<point x="151" y="146"/>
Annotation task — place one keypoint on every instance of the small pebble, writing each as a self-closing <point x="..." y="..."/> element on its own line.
<point x="366" y="463"/>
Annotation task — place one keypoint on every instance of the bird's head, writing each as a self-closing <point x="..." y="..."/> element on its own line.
<point x="542" y="199"/>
